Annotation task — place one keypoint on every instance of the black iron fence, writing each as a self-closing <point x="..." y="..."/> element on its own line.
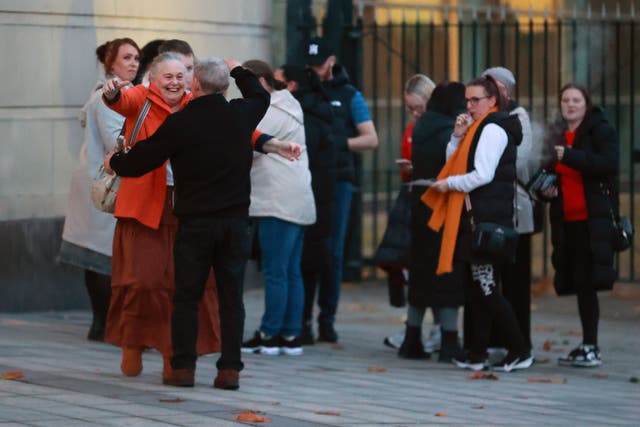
<point x="544" y="50"/>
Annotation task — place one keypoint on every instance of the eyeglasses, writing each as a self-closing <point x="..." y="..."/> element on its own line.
<point x="474" y="100"/>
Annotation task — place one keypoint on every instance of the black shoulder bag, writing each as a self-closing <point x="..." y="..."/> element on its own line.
<point x="492" y="243"/>
<point x="622" y="226"/>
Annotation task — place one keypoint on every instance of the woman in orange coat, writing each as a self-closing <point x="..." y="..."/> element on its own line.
<point x="143" y="272"/>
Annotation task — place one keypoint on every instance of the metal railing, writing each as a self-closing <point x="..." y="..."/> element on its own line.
<point x="544" y="50"/>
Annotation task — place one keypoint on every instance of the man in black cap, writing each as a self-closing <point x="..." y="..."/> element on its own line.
<point x="356" y="133"/>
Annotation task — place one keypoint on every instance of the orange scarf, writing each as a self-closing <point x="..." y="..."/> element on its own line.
<point x="447" y="207"/>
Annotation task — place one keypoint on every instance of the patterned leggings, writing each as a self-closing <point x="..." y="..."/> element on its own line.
<point x="489" y="307"/>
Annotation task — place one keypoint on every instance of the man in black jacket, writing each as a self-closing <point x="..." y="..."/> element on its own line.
<point x="354" y="132"/>
<point x="209" y="146"/>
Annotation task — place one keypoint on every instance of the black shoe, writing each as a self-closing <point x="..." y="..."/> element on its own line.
<point x="291" y="346"/>
<point x="583" y="356"/>
<point x="412" y="347"/>
<point x="514" y="361"/>
<point x="326" y="333"/>
<point x="450" y="347"/>
<point x="261" y="344"/>
<point x="96" y="331"/>
<point x="306" y="336"/>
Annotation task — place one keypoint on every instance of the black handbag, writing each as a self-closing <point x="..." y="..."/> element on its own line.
<point x="492" y="243"/>
<point x="393" y="252"/>
<point x="622" y="226"/>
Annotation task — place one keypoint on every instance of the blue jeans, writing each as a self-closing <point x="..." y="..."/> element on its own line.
<point x="330" y="281"/>
<point x="281" y="245"/>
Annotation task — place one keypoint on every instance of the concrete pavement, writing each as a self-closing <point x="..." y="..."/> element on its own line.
<point x="68" y="381"/>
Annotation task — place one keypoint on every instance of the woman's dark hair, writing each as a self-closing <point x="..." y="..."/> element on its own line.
<point x="583" y="90"/>
<point x="176" y="46"/>
<point x="262" y="69"/>
<point x="293" y="73"/>
<point x="491" y="89"/>
<point x="107" y="53"/>
<point x="149" y="52"/>
<point x="447" y="98"/>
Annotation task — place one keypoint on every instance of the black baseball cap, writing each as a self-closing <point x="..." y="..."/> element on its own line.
<point x="317" y="51"/>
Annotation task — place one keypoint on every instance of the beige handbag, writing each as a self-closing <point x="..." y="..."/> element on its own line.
<point x="104" y="188"/>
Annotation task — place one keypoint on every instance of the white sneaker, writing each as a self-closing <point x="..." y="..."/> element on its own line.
<point x="395" y="340"/>
<point x="432" y="343"/>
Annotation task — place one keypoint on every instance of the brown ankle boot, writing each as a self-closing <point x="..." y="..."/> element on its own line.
<point x="131" y="364"/>
<point x="167" y="371"/>
<point x="227" y="379"/>
<point x="180" y="378"/>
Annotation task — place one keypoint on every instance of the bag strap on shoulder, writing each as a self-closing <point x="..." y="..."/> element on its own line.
<point x="136" y="129"/>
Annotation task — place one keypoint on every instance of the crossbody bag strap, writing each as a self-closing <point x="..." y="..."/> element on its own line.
<point x="467" y="203"/>
<point x="138" y="125"/>
<point x="120" y="140"/>
<point x="607" y="192"/>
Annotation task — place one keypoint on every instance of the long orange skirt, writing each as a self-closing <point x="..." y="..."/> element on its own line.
<point x="142" y="287"/>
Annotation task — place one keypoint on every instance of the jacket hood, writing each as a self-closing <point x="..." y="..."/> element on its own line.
<point x="313" y="98"/>
<point x="284" y="101"/>
<point x="340" y="76"/>
<point x="510" y="124"/>
<point x="435" y="122"/>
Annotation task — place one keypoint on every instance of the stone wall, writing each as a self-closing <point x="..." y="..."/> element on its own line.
<point x="49" y="69"/>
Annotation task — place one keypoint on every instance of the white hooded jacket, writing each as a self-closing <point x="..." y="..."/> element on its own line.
<point x="281" y="188"/>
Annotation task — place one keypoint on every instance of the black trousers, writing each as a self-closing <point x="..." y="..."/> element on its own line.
<point x="579" y="260"/>
<point x="201" y="243"/>
<point x="516" y="288"/>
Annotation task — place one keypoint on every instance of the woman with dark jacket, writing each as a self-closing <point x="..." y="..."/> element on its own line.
<point x="444" y="293"/>
<point x="477" y="185"/>
<point x="585" y="157"/>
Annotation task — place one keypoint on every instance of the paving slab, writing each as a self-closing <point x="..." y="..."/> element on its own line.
<point x="68" y="381"/>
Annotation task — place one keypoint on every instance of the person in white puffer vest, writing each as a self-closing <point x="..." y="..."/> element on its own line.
<point x="282" y="202"/>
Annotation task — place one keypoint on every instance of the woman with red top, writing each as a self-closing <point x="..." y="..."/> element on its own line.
<point x="584" y="150"/>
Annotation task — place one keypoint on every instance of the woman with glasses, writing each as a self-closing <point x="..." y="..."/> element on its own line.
<point x="478" y="184"/>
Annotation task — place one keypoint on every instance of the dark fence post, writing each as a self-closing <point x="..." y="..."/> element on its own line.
<point x="300" y="23"/>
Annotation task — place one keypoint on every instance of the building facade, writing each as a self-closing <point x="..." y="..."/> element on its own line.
<point x="50" y="68"/>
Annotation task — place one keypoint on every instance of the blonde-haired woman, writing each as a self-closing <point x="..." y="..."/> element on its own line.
<point x="417" y="92"/>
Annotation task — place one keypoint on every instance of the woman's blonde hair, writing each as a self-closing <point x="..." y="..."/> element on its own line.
<point x="420" y="85"/>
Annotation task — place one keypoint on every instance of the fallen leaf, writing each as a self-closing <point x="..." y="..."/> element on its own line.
<point x="546" y="346"/>
<point x="337" y="347"/>
<point x="543" y="329"/>
<point x="12" y="375"/>
<point x="252" y="417"/>
<point x="548" y="380"/>
<point x="332" y="413"/>
<point x="478" y="407"/>
<point x="600" y="376"/>
<point x="376" y="369"/>
<point x="573" y="334"/>
<point x="441" y="414"/>
<point x="176" y="400"/>
<point x="633" y="379"/>
<point x="542" y="361"/>
<point x="482" y="376"/>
